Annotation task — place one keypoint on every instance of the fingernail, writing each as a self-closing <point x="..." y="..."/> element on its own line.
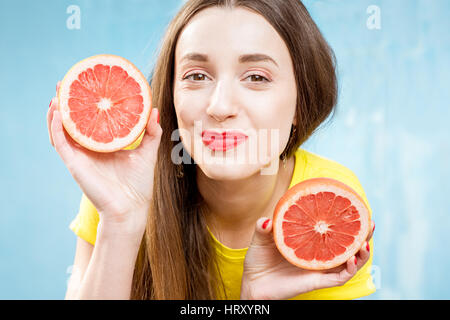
<point x="356" y="260"/>
<point x="50" y="103"/>
<point x="367" y="247"/>
<point x="373" y="227"/>
<point x="265" y="223"/>
<point x="157" y="119"/>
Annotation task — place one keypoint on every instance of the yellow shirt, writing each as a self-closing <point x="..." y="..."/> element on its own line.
<point x="231" y="261"/>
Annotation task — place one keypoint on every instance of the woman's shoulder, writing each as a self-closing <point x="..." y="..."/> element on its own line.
<point x="316" y="164"/>
<point x="311" y="165"/>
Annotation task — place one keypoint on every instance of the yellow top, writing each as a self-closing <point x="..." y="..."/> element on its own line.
<point x="231" y="261"/>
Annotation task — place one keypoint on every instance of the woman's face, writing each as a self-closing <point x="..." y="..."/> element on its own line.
<point x="234" y="93"/>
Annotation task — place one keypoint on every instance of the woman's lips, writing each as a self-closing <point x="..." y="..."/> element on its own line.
<point x="222" y="141"/>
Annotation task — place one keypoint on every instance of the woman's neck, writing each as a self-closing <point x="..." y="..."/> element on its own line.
<point x="234" y="206"/>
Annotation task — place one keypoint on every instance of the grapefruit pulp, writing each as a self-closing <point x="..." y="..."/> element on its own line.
<point x="320" y="223"/>
<point x="105" y="103"/>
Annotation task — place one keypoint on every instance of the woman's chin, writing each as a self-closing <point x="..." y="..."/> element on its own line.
<point x="228" y="171"/>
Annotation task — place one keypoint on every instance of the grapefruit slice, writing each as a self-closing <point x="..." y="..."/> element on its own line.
<point x="320" y="223"/>
<point x="105" y="103"/>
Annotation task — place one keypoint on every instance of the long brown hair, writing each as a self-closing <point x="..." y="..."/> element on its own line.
<point x="177" y="259"/>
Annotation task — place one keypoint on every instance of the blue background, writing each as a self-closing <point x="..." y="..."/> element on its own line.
<point x="390" y="129"/>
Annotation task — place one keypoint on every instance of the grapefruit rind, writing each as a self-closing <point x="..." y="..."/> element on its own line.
<point x="70" y="126"/>
<point x="314" y="186"/>
<point x="136" y="143"/>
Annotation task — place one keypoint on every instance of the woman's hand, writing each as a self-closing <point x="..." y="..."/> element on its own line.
<point x="268" y="275"/>
<point x="119" y="184"/>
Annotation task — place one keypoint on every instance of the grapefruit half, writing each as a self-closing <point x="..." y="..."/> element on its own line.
<point x="105" y="103"/>
<point x="320" y="223"/>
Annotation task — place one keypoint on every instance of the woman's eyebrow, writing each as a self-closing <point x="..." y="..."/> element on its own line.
<point x="253" y="57"/>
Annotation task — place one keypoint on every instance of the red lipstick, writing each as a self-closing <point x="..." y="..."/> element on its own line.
<point x="226" y="140"/>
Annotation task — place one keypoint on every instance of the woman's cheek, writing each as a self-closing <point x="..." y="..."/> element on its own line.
<point x="272" y="125"/>
<point x="186" y="116"/>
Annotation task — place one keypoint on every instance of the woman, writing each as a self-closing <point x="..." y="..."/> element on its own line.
<point x="152" y="227"/>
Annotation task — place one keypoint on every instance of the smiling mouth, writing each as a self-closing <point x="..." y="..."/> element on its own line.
<point x="226" y="140"/>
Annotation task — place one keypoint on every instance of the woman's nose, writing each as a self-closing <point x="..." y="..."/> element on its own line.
<point x="222" y="104"/>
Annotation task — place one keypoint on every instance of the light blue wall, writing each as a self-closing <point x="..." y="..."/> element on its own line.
<point x="391" y="130"/>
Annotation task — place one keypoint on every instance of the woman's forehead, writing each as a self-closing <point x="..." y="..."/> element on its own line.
<point x="218" y="31"/>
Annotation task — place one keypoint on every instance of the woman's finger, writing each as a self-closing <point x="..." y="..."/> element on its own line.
<point x="349" y="271"/>
<point x="363" y="255"/>
<point x="52" y="108"/>
<point x="153" y="132"/>
<point x="262" y="235"/>
<point x="60" y="142"/>
<point x="334" y="279"/>
<point x="49" y="121"/>
<point x="372" y="229"/>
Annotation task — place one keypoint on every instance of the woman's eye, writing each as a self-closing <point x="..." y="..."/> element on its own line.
<point x="258" y="78"/>
<point x="200" y="76"/>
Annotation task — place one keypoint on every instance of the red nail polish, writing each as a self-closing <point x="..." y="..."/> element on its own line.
<point x="356" y="260"/>
<point x="373" y="227"/>
<point x="157" y="119"/>
<point x="367" y="247"/>
<point x="50" y="103"/>
<point x="265" y="223"/>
